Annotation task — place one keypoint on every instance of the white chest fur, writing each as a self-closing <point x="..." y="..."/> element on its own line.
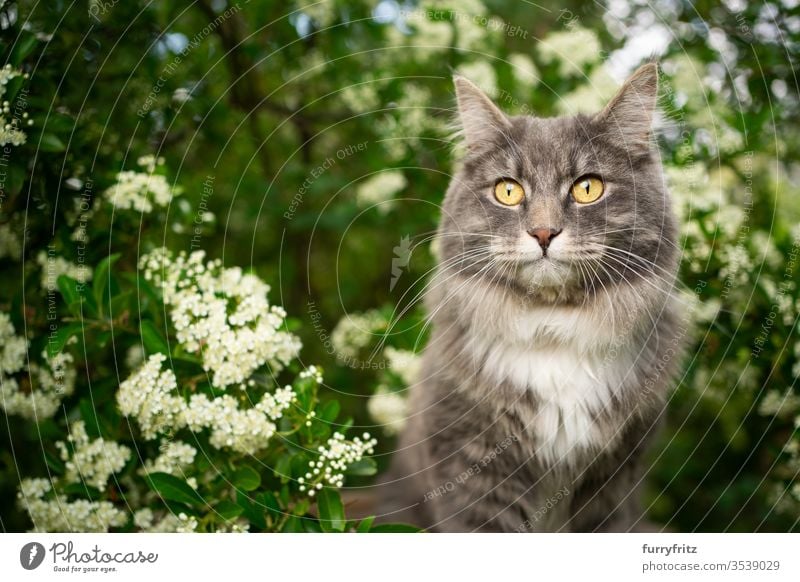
<point x="573" y="363"/>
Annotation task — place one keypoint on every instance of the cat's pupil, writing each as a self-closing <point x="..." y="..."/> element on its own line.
<point x="585" y="185"/>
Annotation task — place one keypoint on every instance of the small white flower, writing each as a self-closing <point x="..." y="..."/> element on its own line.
<point x="10" y="243"/>
<point x="53" y="266"/>
<point x="51" y="380"/>
<point x="389" y="409"/>
<point x="175" y="457"/>
<point x="91" y="461"/>
<point x="334" y="458"/>
<point x="355" y="331"/>
<point x="404" y="363"/>
<point x="140" y="191"/>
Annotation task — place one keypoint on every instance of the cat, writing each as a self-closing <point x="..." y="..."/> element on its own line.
<point x="556" y="328"/>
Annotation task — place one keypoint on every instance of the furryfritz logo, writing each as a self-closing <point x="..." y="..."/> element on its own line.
<point x="31" y="555"/>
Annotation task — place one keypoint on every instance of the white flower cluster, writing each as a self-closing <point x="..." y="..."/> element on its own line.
<point x="328" y="469"/>
<point x="355" y="331"/>
<point x="145" y="520"/>
<point x="243" y="430"/>
<point x="389" y="409"/>
<point x="54" y="266"/>
<point x="134" y="356"/>
<point x="174" y="458"/>
<point x="482" y="74"/>
<point x="780" y="404"/>
<point x="524" y="69"/>
<point x="590" y="96"/>
<point x="785" y="497"/>
<point x="573" y="49"/>
<point x="10" y="243"/>
<point x="223" y="314"/>
<point x="323" y="13"/>
<point x="141" y="190"/>
<point x="796" y="366"/>
<point x="10" y="133"/>
<point x="91" y="462"/>
<point x="404" y="363"/>
<point x="45" y="385"/>
<point x="312" y="372"/>
<point x="151" y="396"/>
<point x="57" y="514"/>
<point x="434" y="22"/>
<point x="413" y="120"/>
<point x="380" y="189"/>
<point x="433" y="37"/>
<point x="13" y="348"/>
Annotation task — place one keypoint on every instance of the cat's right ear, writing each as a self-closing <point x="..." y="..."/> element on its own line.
<point x="481" y="119"/>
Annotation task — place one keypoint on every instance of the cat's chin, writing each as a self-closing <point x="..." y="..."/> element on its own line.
<point x="548" y="280"/>
<point x="545" y="272"/>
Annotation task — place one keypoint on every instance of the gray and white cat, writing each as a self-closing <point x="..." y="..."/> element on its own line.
<point x="556" y="332"/>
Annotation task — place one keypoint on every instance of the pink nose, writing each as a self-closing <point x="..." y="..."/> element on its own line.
<point x="544" y="235"/>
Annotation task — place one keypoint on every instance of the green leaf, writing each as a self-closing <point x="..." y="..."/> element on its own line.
<point x="331" y="510"/>
<point x="100" y="279"/>
<point x="293" y="525"/>
<point x="57" y="340"/>
<point x="251" y="511"/>
<point x="364" y="467"/>
<point x="227" y="509"/>
<point x="395" y="528"/>
<point x="15" y="181"/>
<point x="153" y="341"/>
<point x="54" y="462"/>
<point x="51" y="143"/>
<point x="69" y="291"/>
<point x="89" y="417"/>
<point x="174" y="489"/>
<point x="283" y="468"/>
<point x="272" y="505"/>
<point x="246" y="479"/>
<point x="119" y="304"/>
<point x="329" y="411"/>
<point x="22" y="49"/>
<point x="82" y="490"/>
<point x="365" y="524"/>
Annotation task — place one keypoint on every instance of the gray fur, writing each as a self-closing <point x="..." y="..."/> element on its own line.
<point x="477" y="453"/>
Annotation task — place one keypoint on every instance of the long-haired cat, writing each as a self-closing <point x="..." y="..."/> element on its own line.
<point x="556" y="332"/>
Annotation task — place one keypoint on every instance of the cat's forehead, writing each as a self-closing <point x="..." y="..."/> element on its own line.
<point x="551" y="134"/>
<point x="542" y="146"/>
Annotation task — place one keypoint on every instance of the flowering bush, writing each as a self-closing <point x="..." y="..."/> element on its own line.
<point x="220" y="443"/>
<point x="150" y="379"/>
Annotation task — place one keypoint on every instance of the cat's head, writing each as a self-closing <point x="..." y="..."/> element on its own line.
<point x="558" y="208"/>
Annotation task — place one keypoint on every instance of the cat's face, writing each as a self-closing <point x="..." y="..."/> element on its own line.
<point x="558" y="208"/>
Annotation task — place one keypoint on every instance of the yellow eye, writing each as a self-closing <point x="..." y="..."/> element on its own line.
<point x="587" y="189"/>
<point x="508" y="192"/>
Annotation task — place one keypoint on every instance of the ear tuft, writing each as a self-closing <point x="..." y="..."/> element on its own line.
<point x="481" y="119"/>
<point x="631" y="111"/>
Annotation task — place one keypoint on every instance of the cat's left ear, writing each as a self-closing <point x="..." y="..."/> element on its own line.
<point x="632" y="109"/>
<point x="481" y="119"/>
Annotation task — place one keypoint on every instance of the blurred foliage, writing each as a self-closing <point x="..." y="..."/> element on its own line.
<point x="311" y="143"/>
